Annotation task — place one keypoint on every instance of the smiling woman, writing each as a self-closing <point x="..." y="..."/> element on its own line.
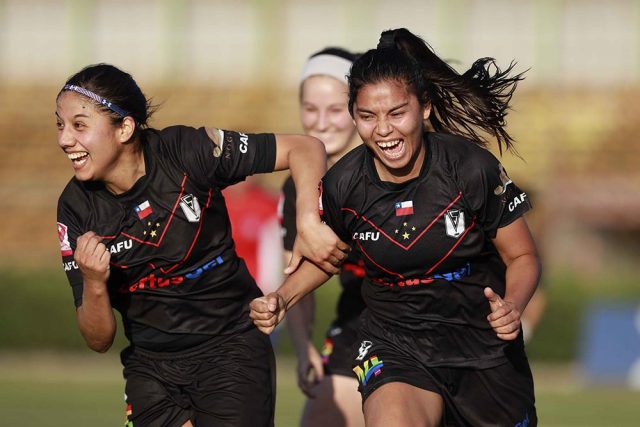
<point x="144" y="229"/>
<point x="449" y="262"/>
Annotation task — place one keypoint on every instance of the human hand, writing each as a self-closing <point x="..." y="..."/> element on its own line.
<point x="310" y="370"/>
<point x="267" y="311"/>
<point x="504" y="317"/>
<point x="92" y="257"/>
<point x="320" y="245"/>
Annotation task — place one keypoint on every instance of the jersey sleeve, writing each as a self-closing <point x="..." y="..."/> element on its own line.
<point x="225" y="160"/>
<point x="288" y="214"/>
<point x="494" y="198"/>
<point x="68" y="233"/>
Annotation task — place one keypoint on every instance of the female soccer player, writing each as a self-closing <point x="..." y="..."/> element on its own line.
<point x="450" y="262"/>
<point x="144" y="229"/>
<point x="326" y="379"/>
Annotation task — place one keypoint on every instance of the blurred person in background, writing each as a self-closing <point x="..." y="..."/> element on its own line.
<point x="449" y="260"/>
<point x="253" y="212"/>
<point x="326" y="379"/>
<point x="144" y="229"/>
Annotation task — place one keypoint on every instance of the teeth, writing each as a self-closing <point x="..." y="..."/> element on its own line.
<point x="388" y="144"/>
<point x="75" y="156"/>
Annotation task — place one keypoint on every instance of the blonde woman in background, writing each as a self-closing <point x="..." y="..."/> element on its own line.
<point x="326" y="379"/>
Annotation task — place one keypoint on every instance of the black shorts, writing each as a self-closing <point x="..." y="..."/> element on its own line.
<point x="226" y="381"/>
<point x="339" y="345"/>
<point x="501" y="395"/>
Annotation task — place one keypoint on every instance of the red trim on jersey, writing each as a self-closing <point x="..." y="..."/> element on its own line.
<point x="406" y="248"/>
<point x="473" y="223"/>
<point x="376" y="264"/>
<point x="156" y="244"/>
<point x="356" y="269"/>
<point x="166" y="227"/>
<point x="195" y="238"/>
<point x="164" y="231"/>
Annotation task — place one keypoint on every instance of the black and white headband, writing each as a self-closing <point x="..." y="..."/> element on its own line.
<point x="100" y="100"/>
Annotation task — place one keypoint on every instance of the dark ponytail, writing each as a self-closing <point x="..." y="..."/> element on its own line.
<point x="115" y="86"/>
<point x="470" y="104"/>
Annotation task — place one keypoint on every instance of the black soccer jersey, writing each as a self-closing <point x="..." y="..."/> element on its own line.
<point x="350" y="302"/>
<point x="426" y="243"/>
<point x="174" y="271"/>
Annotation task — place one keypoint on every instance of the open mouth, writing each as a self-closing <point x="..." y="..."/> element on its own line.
<point x="78" y="158"/>
<point x="392" y="149"/>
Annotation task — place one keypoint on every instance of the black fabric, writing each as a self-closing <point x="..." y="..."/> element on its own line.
<point x="426" y="244"/>
<point x="174" y="270"/>
<point x="340" y="342"/>
<point x="500" y="393"/>
<point x="350" y="302"/>
<point x="227" y="381"/>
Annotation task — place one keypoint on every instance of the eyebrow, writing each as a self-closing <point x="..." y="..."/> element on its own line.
<point x="397" y="107"/>
<point x="75" y="117"/>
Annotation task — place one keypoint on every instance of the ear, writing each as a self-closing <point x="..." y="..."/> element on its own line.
<point x="125" y="132"/>
<point x="427" y="111"/>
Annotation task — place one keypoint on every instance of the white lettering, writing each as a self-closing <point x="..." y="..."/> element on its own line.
<point x="120" y="246"/>
<point x="518" y="200"/>
<point x="244" y="143"/>
<point x="368" y="235"/>
<point x="71" y="265"/>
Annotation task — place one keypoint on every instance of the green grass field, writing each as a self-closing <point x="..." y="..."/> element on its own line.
<point x="63" y="389"/>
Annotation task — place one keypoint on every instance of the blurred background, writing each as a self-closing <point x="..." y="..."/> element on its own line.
<point x="234" y="64"/>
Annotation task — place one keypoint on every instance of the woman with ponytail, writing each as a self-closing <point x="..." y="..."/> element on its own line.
<point x="450" y="263"/>
<point x="144" y="230"/>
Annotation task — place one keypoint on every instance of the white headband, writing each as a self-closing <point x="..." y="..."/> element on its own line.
<point x="328" y="65"/>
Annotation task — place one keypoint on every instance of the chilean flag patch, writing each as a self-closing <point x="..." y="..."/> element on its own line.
<point x="404" y="208"/>
<point x="144" y="209"/>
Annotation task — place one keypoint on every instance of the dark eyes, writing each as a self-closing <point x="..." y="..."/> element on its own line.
<point x="77" y="125"/>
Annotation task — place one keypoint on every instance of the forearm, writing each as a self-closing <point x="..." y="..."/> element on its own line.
<point x="308" y="165"/>
<point x="302" y="282"/>
<point x="95" y="317"/>
<point x="300" y="320"/>
<point x="522" y="277"/>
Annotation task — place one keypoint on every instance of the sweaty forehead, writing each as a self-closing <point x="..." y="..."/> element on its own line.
<point x="384" y="93"/>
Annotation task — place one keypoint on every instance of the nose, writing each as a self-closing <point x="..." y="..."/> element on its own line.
<point x="65" y="138"/>
<point x="383" y="127"/>
<point x="322" y="123"/>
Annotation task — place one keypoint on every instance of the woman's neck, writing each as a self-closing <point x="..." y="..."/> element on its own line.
<point x="129" y="169"/>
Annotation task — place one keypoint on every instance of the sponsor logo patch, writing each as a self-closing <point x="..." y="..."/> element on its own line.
<point x="404" y="208"/>
<point x="153" y="282"/>
<point x="370" y="368"/>
<point x="190" y="207"/>
<point x="504" y="179"/>
<point x="63" y="236"/>
<point x="327" y="349"/>
<point x="364" y="349"/>
<point x="454" y="222"/>
<point x="144" y="209"/>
